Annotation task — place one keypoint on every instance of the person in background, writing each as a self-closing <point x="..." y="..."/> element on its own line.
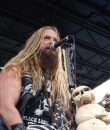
<point x="107" y="100"/>
<point x="34" y="87"/>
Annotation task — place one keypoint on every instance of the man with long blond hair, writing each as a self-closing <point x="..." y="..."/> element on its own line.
<point x="35" y="73"/>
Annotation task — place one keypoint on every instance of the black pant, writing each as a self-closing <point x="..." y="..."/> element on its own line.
<point x="2" y="125"/>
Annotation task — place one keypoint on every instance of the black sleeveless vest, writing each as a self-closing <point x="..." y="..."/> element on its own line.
<point x="33" y="106"/>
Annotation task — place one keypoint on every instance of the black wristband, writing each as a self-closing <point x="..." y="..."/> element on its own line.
<point x="19" y="126"/>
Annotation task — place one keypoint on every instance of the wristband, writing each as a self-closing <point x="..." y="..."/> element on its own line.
<point x="18" y="126"/>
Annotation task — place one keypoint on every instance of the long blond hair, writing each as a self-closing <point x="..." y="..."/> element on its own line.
<point x="25" y="61"/>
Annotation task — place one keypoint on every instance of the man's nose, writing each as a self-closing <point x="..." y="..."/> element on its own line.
<point x="51" y="41"/>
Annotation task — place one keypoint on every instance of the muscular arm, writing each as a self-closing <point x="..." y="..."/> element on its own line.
<point x="10" y="88"/>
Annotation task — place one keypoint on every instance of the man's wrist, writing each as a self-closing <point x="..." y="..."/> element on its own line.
<point x="18" y="126"/>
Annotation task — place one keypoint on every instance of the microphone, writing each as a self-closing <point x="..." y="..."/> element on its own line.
<point x="64" y="41"/>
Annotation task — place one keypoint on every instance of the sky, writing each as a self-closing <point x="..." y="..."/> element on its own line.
<point x="101" y="90"/>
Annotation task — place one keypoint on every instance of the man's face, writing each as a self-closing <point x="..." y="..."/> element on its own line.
<point x="47" y="58"/>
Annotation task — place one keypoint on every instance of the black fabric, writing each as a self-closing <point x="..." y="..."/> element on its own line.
<point x="19" y="126"/>
<point x="27" y="93"/>
<point x="40" y="127"/>
<point x="2" y="124"/>
<point x="73" y="123"/>
<point x="32" y="106"/>
<point x="37" y="111"/>
<point x="29" y="102"/>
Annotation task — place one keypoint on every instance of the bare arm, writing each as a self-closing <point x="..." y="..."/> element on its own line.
<point x="10" y="89"/>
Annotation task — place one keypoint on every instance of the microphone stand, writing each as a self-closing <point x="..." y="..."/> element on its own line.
<point x="71" y="63"/>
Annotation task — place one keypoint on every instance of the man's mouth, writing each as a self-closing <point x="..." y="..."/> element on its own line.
<point x="49" y="58"/>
